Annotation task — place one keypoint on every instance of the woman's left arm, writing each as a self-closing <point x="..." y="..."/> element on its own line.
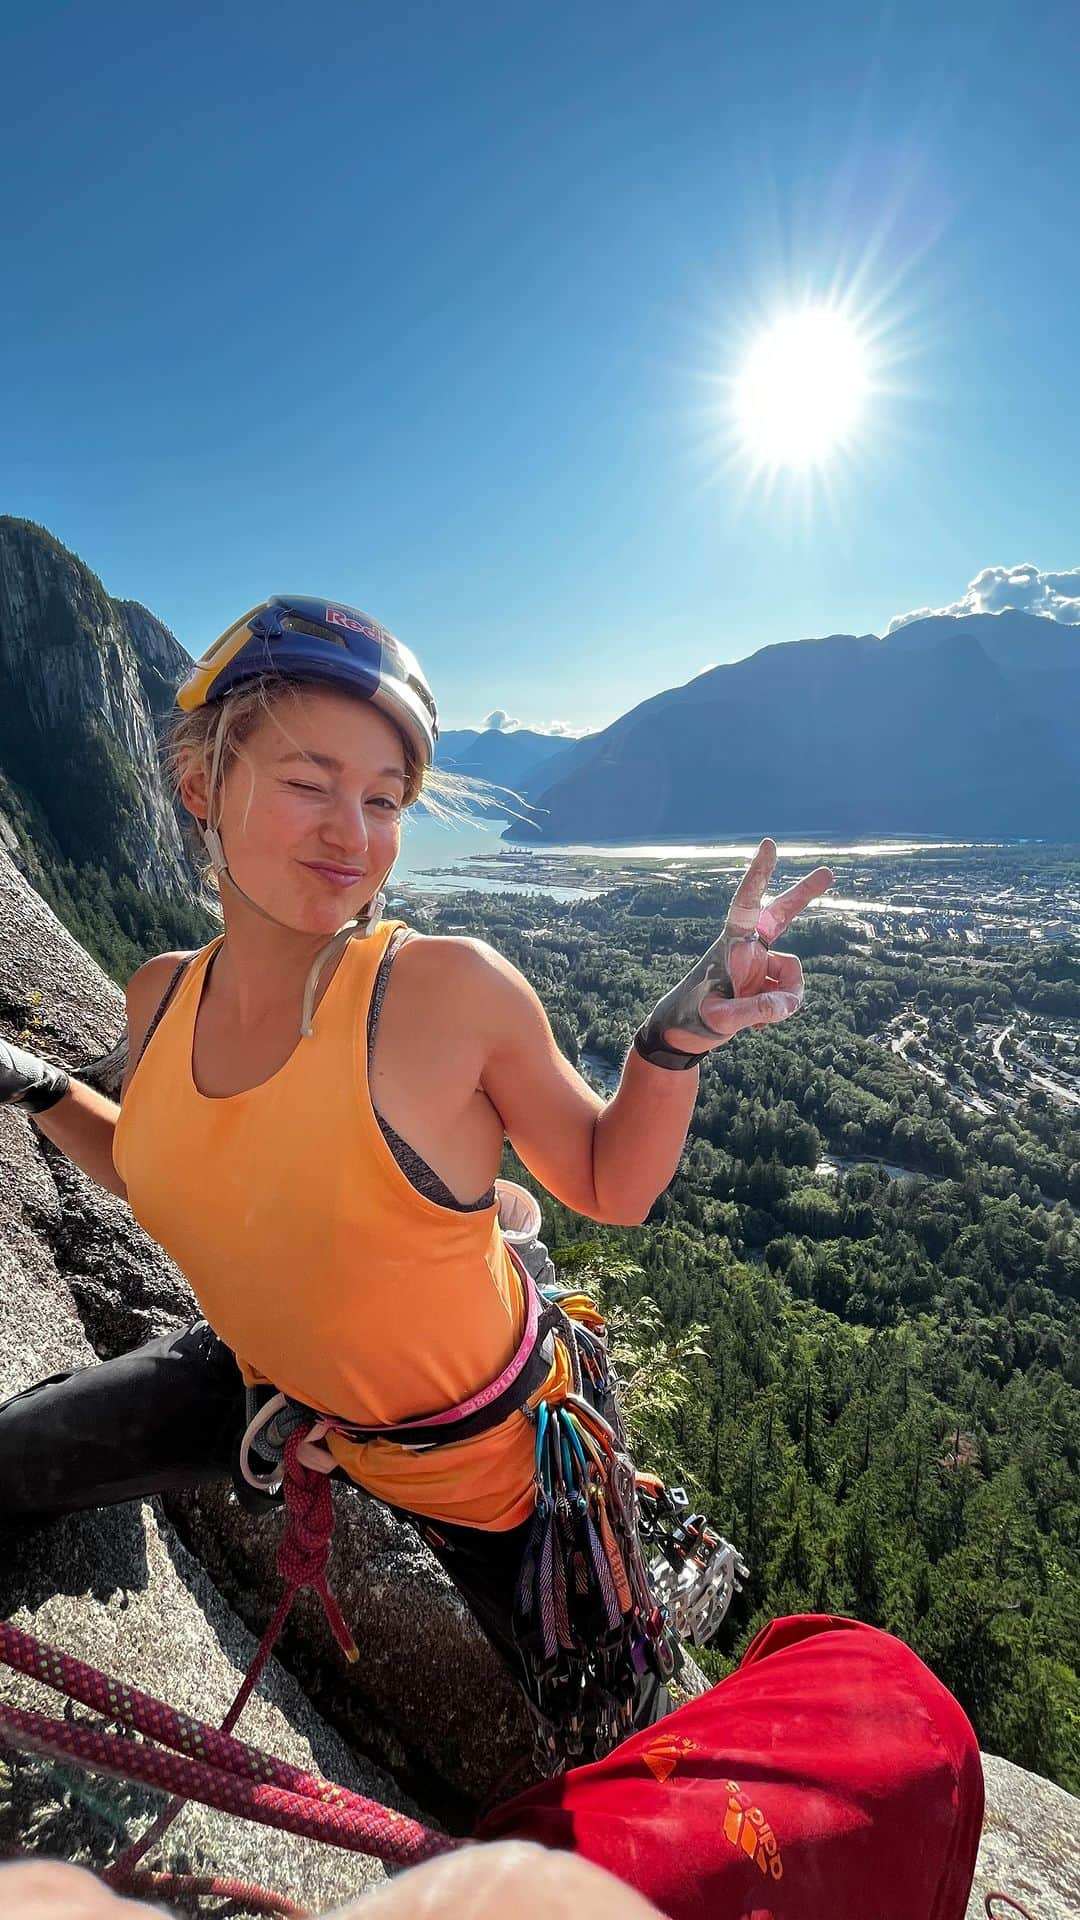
<point x="607" y="1162"/>
<point x="610" y="1162"/>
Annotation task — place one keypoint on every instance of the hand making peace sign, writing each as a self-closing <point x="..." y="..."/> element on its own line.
<point x="741" y="981"/>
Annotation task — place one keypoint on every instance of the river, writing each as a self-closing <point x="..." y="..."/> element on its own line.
<point x="436" y="858"/>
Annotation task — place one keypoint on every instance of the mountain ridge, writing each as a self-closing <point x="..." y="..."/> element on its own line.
<point x="953" y="725"/>
<point x="950" y="726"/>
<point x="503" y="757"/>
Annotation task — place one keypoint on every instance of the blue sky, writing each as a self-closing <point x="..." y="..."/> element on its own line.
<point x="432" y="309"/>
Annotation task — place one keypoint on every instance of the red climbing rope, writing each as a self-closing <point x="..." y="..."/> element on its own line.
<point x="194" y="1761"/>
<point x="330" y="1813"/>
<point x="301" y="1560"/>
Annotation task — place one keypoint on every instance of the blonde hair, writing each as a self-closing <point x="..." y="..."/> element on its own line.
<point x="189" y="738"/>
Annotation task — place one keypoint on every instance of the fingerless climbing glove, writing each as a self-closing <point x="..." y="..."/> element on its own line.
<point x="26" y="1081"/>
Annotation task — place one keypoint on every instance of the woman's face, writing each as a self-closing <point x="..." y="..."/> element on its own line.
<point x="310" y="817"/>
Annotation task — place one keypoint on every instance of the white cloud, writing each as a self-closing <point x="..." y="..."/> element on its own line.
<point x="499" y="721"/>
<point x="1055" y="595"/>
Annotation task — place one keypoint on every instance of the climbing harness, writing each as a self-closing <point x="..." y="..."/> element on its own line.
<point x="613" y="1576"/>
<point x="270" y="1424"/>
<point x="586" y="1620"/>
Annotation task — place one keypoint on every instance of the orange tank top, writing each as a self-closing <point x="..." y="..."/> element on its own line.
<point x="317" y="1261"/>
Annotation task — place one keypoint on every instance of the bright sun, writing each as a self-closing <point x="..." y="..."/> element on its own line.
<point x="801" y="389"/>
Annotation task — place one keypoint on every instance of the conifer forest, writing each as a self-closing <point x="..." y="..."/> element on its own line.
<point x="865" y="1364"/>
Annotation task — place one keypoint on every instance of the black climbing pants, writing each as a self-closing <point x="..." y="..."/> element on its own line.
<point x="170" y="1415"/>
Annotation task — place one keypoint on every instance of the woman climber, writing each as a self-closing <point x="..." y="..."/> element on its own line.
<point x="311" y="1125"/>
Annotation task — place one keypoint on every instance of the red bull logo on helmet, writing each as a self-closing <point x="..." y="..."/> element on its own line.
<point x="335" y="617"/>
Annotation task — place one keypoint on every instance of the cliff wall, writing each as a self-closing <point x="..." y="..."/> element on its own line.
<point x="84" y="682"/>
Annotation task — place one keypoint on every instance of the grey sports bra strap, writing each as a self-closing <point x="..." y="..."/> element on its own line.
<point x="394" y="944"/>
<point x="166" y="997"/>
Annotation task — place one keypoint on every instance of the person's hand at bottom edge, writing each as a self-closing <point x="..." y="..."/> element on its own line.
<point x="479" y="1883"/>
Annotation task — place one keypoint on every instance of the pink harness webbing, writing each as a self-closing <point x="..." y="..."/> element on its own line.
<point x="478" y="1401"/>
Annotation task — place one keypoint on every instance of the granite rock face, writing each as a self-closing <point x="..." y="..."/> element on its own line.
<point x="1030" y="1845"/>
<point x="54" y="998"/>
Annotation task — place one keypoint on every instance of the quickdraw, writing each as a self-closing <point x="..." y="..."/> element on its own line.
<point x="584" y="1613"/>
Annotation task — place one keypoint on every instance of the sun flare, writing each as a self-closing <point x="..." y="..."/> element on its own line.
<point x="801" y="389"/>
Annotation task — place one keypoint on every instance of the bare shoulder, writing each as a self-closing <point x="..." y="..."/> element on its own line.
<point x="149" y="981"/>
<point x="144" y="993"/>
<point x="458" y="963"/>
<point x="487" y="995"/>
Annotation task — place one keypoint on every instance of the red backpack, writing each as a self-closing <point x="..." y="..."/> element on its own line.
<point x="832" y="1777"/>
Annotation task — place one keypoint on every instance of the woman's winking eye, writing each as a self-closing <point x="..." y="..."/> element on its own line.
<point x="379" y="799"/>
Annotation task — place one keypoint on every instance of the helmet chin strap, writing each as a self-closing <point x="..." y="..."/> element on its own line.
<point x="358" y="928"/>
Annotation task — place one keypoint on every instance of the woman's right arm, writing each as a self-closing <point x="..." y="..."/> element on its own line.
<point x="83" y="1121"/>
<point x="82" y="1124"/>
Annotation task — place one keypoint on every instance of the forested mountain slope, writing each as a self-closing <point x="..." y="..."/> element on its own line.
<point x="888" y="1414"/>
